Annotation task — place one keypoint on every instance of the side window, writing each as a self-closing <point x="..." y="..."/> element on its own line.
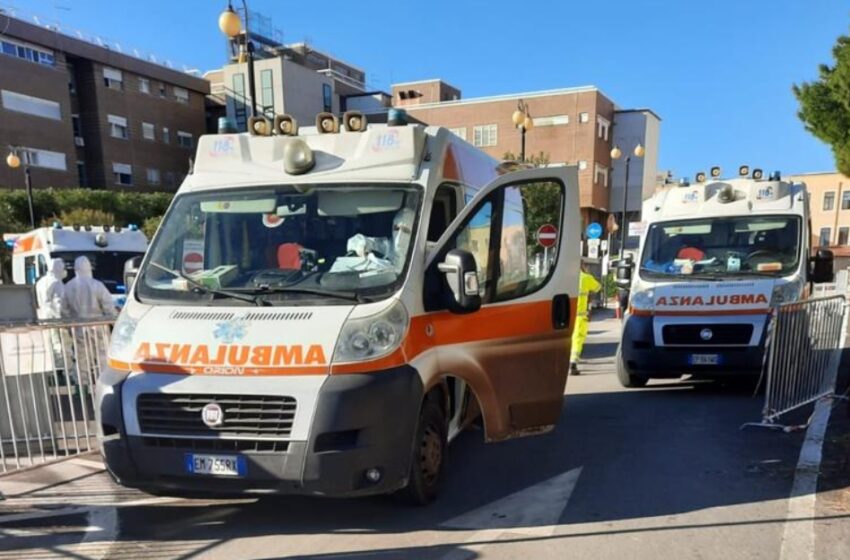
<point x="42" y="266"/>
<point x="529" y="237"/>
<point x="475" y="238"/>
<point x="30" y="271"/>
<point x="443" y="211"/>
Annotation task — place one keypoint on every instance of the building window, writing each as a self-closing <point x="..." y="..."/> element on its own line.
<point x="35" y="106"/>
<point x="181" y="95"/>
<point x="153" y="176"/>
<point x="166" y="135"/>
<point x="118" y="127"/>
<point x="582" y="164"/>
<point x="144" y="85"/>
<point x="602" y="127"/>
<point x="554" y="120"/>
<point x="43" y="158"/>
<point x="75" y="125"/>
<point x="123" y="174"/>
<point x="31" y="54"/>
<point x="583" y="117"/>
<point x="240" y="110"/>
<point x="169" y="179"/>
<point x="843" y="234"/>
<point x="829" y="200"/>
<point x="184" y="139"/>
<point x="148" y="131"/>
<point x="112" y="78"/>
<point x="459" y="132"/>
<point x="825" y="237"/>
<point x="327" y="98"/>
<point x="267" y="93"/>
<point x="845" y="200"/>
<point x="162" y="90"/>
<point x="600" y="175"/>
<point x="485" y="135"/>
<point x="81" y="174"/>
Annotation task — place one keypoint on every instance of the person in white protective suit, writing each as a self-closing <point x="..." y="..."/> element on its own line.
<point x="402" y="232"/>
<point x="86" y="297"/>
<point x="50" y="292"/>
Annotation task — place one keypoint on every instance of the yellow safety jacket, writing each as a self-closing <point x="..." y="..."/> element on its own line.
<point x="586" y="285"/>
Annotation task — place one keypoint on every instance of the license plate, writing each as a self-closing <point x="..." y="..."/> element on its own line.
<point x="217" y="465"/>
<point x="704" y="359"/>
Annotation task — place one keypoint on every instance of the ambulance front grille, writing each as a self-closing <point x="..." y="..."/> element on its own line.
<point x="250" y="317"/>
<point x="245" y="416"/>
<point x="736" y="334"/>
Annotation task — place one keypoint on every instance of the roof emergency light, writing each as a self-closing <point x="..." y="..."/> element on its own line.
<point x="744" y="170"/>
<point x="397" y="117"/>
<point x="700" y="178"/>
<point x="298" y="158"/>
<point x="260" y="126"/>
<point x="758" y="174"/>
<point x="715" y="172"/>
<point x="354" y="121"/>
<point x="327" y="123"/>
<point x="726" y="194"/>
<point x="100" y="240"/>
<point x="285" y="125"/>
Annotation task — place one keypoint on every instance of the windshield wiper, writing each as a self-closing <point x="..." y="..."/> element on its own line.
<point x="266" y="289"/>
<point x="206" y="289"/>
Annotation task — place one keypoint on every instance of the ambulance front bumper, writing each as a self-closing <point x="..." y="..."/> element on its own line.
<point x="359" y="423"/>
<point x="645" y="353"/>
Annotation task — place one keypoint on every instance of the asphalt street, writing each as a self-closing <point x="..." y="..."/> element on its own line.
<point x="661" y="472"/>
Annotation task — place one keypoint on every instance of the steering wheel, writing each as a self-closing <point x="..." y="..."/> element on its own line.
<point x="760" y="252"/>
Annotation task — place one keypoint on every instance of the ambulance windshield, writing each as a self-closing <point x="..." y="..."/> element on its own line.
<point x="283" y="245"/>
<point x="724" y="246"/>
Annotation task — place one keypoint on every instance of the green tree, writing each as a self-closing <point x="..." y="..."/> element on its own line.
<point x="150" y="226"/>
<point x="542" y="203"/>
<point x="825" y="104"/>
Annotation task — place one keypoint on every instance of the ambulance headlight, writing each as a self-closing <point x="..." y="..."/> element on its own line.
<point x="643" y="300"/>
<point x="122" y="337"/>
<point x="786" y="292"/>
<point x="368" y="338"/>
<point x="298" y="158"/>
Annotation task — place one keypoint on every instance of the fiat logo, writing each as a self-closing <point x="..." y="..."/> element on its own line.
<point x="212" y="415"/>
<point x="706" y="334"/>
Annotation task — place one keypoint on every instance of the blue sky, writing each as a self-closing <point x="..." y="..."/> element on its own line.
<point x="719" y="73"/>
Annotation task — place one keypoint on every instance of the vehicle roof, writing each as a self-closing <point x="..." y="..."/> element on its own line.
<point x="707" y="199"/>
<point x="64" y="239"/>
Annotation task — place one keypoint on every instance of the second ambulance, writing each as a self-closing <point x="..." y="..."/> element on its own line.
<point x="714" y="257"/>
<point x="322" y="309"/>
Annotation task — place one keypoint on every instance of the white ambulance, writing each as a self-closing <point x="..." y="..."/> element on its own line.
<point x="322" y="310"/>
<point x="107" y="247"/>
<point x="714" y="257"/>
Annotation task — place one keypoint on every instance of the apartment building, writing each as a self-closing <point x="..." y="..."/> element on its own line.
<point x="577" y="126"/>
<point x="829" y="204"/>
<point x="83" y="114"/>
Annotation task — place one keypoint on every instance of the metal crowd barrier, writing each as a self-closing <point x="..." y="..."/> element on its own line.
<point x="47" y="378"/>
<point x="802" y="354"/>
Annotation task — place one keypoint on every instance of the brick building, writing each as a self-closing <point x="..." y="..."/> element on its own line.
<point x="829" y="204"/>
<point x="82" y="114"/>
<point x="571" y="126"/>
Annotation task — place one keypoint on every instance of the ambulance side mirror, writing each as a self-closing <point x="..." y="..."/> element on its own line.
<point x="821" y="267"/>
<point x="131" y="270"/>
<point x="461" y="274"/>
<point x="623" y="273"/>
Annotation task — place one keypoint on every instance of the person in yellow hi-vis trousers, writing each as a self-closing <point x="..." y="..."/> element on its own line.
<point x="587" y="284"/>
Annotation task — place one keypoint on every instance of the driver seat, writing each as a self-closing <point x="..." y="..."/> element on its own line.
<point x="289" y="256"/>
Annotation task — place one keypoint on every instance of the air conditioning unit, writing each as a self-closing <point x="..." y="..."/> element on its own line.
<point x="79" y="141"/>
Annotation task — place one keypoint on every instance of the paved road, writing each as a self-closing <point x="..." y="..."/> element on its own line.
<point x="663" y="472"/>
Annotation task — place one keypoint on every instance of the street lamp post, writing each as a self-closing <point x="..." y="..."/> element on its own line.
<point x="523" y="121"/>
<point x="231" y="25"/>
<point x="13" y="161"/>
<point x="616" y="153"/>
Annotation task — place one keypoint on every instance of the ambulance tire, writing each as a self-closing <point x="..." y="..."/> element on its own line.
<point x="429" y="455"/>
<point x="625" y="378"/>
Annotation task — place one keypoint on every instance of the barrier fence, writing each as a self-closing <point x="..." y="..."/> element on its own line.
<point x="47" y="380"/>
<point x="802" y="354"/>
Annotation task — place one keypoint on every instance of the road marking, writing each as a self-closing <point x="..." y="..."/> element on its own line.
<point x="534" y="511"/>
<point x="798" y="539"/>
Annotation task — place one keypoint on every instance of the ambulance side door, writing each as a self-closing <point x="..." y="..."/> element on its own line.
<point x="523" y="230"/>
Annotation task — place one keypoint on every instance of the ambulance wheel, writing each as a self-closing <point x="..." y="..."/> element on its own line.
<point x="429" y="455"/>
<point x="625" y="378"/>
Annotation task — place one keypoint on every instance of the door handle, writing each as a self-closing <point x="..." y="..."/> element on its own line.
<point x="561" y="311"/>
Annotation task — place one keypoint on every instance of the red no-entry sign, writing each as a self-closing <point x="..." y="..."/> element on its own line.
<point x="547" y="235"/>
